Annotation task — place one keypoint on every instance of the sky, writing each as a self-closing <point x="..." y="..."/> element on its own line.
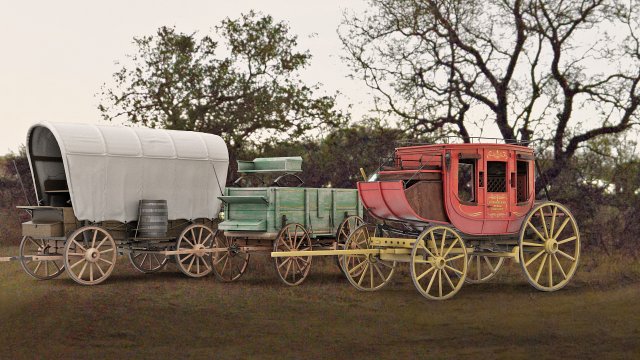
<point x="57" y="54"/>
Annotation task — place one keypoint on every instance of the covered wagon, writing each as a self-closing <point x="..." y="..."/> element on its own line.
<point x="102" y="190"/>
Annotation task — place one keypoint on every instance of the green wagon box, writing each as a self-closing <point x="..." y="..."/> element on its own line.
<point x="266" y="218"/>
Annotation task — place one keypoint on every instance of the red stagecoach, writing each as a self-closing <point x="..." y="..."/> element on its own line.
<point x="455" y="212"/>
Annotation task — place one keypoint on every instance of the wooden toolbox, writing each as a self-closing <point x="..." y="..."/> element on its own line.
<point x="42" y="229"/>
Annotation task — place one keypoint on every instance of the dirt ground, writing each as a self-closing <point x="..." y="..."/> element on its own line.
<point x="167" y="315"/>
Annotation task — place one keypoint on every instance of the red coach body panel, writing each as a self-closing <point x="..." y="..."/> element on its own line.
<point x="492" y="210"/>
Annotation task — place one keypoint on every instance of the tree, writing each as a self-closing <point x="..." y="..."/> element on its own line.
<point x="247" y="91"/>
<point x="539" y="67"/>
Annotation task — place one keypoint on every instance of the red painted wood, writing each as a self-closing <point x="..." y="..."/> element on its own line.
<point x="492" y="213"/>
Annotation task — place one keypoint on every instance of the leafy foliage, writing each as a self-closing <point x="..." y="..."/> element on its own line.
<point x="244" y="87"/>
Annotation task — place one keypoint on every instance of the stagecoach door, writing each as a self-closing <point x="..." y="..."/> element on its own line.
<point x="498" y="169"/>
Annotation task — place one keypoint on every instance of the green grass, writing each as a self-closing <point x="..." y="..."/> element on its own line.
<point x="167" y="315"/>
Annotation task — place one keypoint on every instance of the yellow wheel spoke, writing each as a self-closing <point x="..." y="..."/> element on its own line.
<point x="454" y="270"/>
<point x="454" y="258"/>
<point x="364" y="272"/>
<point x="534" y="258"/>
<point x="529" y="224"/>
<point x="449" y="280"/>
<point x="425" y="273"/>
<point x="564" y="275"/>
<point x="567" y="240"/>
<point x="566" y="255"/>
<point x="355" y="268"/>
<point x="550" y="273"/>
<point x="433" y="277"/>
<point x="379" y="272"/>
<point x="526" y="243"/>
<point x="564" y="224"/>
<point x="544" y="260"/>
<point x="486" y="259"/>
<point x="544" y="223"/>
<point x="440" y="283"/>
<point x="553" y="220"/>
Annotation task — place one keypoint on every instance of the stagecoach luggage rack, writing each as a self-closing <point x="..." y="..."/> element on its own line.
<point x="153" y="219"/>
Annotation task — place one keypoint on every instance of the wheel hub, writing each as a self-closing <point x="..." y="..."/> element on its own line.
<point x="199" y="250"/>
<point x="92" y="255"/>
<point x="551" y="246"/>
<point x="440" y="262"/>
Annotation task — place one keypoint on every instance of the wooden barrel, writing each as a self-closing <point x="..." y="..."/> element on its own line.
<point x="154" y="218"/>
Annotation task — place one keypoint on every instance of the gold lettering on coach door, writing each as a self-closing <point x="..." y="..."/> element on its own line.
<point x="497" y="205"/>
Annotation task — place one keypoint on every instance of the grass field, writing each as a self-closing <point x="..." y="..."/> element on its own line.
<point x="167" y="315"/>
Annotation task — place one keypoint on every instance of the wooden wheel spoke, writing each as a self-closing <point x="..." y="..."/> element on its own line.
<point x="486" y="259"/>
<point x="76" y="264"/>
<point x="37" y="267"/>
<point x="555" y="258"/>
<point x="379" y="272"/>
<point x="537" y="255"/>
<point x="102" y="242"/>
<point x="454" y="270"/>
<point x="561" y="228"/>
<point x="544" y="223"/>
<point x="550" y="272"/>
<point x="450" y="247"/>
<point x="553" y="220"/>
<point x="442" y="242"/>
<point x="544" y="259"/>
<point x="93" y="244"/>
<point x="105" y="260"/>
<point x="530" y="225"/>
<point x="526" y="243"/>
<point x="355" y="268"/>
<point x="433" y="277"/>
<point x="419" y="277"/>
<point x="100" y="269"/>
<point x="449" y="280"/>
<point x="573" y="238"/>
<point x="364" y="272"/>
<point x="34" y="243"/>
<point x="566" y="255"/>
<point x="284" y="262"/>
<point x="454" y="258"/>
<point x="182" y="260"/>
<point x="78" y="245"/>
<point x="84" y="267"/>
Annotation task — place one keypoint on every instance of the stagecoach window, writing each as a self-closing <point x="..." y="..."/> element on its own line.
<point x="522" y="181"/>
<point x="466" y="179"/>
<point x="496" y="176"/>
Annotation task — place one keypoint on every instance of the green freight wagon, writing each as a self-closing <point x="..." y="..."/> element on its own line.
<point x="283" y="216"/>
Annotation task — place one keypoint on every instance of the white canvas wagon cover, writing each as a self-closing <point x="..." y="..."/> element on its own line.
<point x="108" y="169"/>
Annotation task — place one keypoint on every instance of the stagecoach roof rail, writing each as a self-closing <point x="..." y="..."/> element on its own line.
<point x="472" y="140"/>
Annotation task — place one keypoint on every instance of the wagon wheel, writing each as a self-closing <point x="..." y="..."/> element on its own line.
<point x="148" y="263"/>
<point x="40" y="269"/>
<point x="367" y="272"/>
<point x="292" y="270"/>
<point x="231" y="264"/>
<point x="482" y="268"/>
<point x="288" y="180"/>
<point x="438" y="263"/>
<point x="90" y="255"/>
<point x="346" y="228"/>
<point x="549" y="246"/>
<point x="196" y="238"/>
<point x="248" y="181"/>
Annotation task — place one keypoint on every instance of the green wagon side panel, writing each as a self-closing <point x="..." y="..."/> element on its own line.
<point x="243" y="225"/>
<point x="320" y="210"/>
